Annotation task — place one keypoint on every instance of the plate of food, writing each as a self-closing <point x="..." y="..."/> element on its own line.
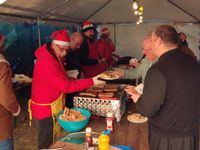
<point x="88" y="93"/>
<point x="109" y="75"/>
<point x="21" y="78"/>
<point x="106" y="95"/>
<point x="137" y="118"/>
<point x="111" y="88"/>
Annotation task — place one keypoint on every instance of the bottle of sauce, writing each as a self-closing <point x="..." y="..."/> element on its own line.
<point x="110" y="119"/>
<point x="88" y="138"/>
<point x="104" y="141"/>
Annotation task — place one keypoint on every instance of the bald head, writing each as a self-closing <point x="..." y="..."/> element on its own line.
<point x="76" y="40"/>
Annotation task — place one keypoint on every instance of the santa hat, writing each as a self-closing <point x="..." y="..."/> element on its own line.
<point x="104" y="30"/>
<point x="61" y="37"/>
<point x="87" y="25"/>
<point x="2" y="39"/>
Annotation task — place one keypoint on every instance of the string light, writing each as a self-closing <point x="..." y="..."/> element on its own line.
<point x="135" y="5"/>
<point x="138" y="11"/>
<point x="2" y="1"/>
<point x="141" y="8"/>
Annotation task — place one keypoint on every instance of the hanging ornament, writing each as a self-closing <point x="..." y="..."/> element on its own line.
<point x="136" y="12"/>
<point x="135" y="5"/>
<point x="141" y="8"/>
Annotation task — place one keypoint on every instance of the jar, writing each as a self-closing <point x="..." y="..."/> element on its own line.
<point x="110" y="119"/>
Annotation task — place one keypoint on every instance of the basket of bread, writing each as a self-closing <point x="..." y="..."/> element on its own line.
<point x="73" y="120"/>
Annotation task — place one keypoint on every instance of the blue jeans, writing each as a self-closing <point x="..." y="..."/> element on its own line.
<point x="7" y="144"/>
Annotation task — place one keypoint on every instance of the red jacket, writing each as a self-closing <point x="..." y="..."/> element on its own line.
<point x="89" y="62"/>
<point x="49" y="81"/>
<point x="105" y="50"/>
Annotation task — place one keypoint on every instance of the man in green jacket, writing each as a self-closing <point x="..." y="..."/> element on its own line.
<point x="141" y="70"/>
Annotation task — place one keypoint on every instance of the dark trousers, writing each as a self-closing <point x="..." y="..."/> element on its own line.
<point x="161" y="142"/>
<point x="45" y="132"/>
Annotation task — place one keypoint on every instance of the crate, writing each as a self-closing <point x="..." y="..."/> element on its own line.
<point x="100" y="107"/>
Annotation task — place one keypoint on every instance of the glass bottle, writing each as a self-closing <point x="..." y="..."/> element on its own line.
<point x="110" y="119"/>
<point x="88" y="138"/>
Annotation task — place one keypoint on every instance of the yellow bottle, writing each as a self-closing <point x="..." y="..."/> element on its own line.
<point x="104" y="141"/>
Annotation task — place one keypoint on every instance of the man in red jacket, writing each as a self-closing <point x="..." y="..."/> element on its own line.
<point x="106" y="46"/>
<point x="48" y="85"/>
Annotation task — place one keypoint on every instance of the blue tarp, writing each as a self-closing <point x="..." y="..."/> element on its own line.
<point x="22" y="41"/>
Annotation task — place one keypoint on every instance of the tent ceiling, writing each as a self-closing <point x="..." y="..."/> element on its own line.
<point x="114" y="11"/>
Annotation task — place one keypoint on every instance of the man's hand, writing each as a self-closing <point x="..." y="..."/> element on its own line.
<point x="102" y="61"/>
<point x="97" y="81"/>
<point x="134" y="62"/>
<point x="132" y="91"/>
<point x="120" y="72"/>
<point x="135" y="97"/>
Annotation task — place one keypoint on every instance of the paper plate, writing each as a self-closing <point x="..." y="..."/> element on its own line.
<point x="137" y="118"/>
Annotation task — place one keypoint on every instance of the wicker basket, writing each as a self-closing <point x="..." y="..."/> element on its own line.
<point x="100" y="107"/>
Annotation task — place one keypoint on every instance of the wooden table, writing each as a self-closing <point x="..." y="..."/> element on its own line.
<point x="126" y="133"/>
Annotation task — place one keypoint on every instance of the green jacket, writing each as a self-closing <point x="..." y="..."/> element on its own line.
<point x="140" y="71"/>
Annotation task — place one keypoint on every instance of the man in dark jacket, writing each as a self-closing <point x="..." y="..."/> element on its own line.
<point x="73" y="64"/>
<point x="171" y="95"/>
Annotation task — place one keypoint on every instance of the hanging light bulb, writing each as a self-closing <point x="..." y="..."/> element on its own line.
<point x="135" y="5"/>
<point x="141" y="8"/>
<point x="140" y="17"/>
<point x="136" y="12"/>
<point x="137" y="22"/>
<point x="140" y="21"/>
<point x="140" y="13"/>
<point x="2" y="1"/>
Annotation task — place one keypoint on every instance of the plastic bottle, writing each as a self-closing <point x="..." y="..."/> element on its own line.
<point x="104" y="141"/>
<point x="88" y="138"/>
<point x="110" y="119"/>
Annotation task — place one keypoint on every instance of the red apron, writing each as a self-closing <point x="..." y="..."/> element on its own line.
<point x="93" y="70"/>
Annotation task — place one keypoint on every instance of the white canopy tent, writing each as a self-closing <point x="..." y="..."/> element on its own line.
<point x="115" y="14"/>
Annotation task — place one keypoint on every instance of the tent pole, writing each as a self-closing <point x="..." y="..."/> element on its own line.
<point x="114" y="34"/>
<point x="52" y="9"/>
<point x="174" y="4"/>
<point x="38" y="28"/>
<point x="96" y="11"/>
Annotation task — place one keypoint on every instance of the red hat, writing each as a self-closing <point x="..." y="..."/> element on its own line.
<point x="104" y="30"/>
<point x="87" y="25"/>
<point x="2" y="39"/>
<point x="61" y="37"/>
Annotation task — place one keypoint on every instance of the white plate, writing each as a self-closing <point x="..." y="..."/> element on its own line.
<point x="137" y="118"/>
<point x="114" y="75"/>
